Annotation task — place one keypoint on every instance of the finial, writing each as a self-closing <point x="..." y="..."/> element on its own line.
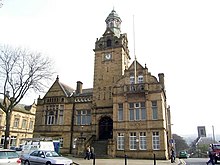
<point x="57" y="77"/>
<point x="113" y="10"/>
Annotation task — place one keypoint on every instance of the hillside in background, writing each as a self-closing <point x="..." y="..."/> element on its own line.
<point x="191" y="137"/>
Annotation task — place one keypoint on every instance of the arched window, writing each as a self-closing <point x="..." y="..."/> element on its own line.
<point x="51" y="118"/>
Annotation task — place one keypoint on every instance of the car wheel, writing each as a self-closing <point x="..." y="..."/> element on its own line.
<point x="26" y="162"/>
<point x="48" y="163"/>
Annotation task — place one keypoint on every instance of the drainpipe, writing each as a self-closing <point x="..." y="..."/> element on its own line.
<point x="72" y="124"/>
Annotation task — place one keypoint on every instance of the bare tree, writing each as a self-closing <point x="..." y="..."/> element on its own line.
<point x="20" y="71"/>
<point x="1" y="3"/>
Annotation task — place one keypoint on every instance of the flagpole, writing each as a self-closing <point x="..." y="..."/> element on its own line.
<point x="135" y="59"/>
<point x="213" y="134"/>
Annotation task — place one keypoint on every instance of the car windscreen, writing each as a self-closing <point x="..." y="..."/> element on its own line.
<point x="12" y="155"/>
<point x="216" y="147"/>
<point x="8" y="155"/>
<point x="2" y="155"/>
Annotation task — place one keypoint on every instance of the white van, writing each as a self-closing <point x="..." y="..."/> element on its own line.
<point x="30" y="146"/>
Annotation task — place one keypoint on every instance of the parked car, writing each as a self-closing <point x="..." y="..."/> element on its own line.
<point x="15" y="148"/>
<point x="183" y="154"/>
<point x="216" y="150"/>
<point x="45" y="157"/>
<point x="8" y="156"/>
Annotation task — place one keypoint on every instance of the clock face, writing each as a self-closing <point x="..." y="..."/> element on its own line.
<point x="108" y="56"/>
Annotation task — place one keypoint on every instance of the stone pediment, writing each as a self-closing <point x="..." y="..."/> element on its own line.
<point x="138" y="66"/>
<point x="108" y="31"/>
<point x="59" y="89"/>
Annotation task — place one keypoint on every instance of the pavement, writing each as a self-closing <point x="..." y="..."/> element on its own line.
<point x="121" y="161"/>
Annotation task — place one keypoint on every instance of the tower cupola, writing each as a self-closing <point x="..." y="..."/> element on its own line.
<point x="113" y="22"/>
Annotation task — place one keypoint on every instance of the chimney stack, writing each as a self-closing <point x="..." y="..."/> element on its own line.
<point x="79" y="87"/>
<point x="161" y="80"/>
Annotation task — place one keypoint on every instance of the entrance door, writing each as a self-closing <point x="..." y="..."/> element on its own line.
<point x="105" y="128"/>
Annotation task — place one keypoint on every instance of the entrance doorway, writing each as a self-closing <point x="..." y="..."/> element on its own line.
<point x="105" y="128"/>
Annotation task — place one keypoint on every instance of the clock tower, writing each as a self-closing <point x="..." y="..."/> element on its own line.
<point x="111" y="60"/>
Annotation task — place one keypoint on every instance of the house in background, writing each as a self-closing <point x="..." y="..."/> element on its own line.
<point x="22" y="124"/>
<point x="201" y="131"/>
<point x="125" y="112"/>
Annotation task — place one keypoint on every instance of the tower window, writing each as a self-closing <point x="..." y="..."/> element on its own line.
<point x="109" y="43"/>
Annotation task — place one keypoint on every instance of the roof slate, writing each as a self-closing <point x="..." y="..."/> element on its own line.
<point x="68" y="90"/>
<point x="21" y="107"/>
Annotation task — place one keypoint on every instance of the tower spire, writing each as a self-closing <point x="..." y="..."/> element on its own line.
<point x="113" y="22"/>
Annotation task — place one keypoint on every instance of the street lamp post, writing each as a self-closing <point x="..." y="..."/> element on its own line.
<point x="213" y="133"/>
<point x="171" y="142"/>
<point x="138" y="146"/>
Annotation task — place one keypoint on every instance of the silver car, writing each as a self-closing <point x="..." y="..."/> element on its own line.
<point x="9" y="157"/>
<point x="40" y="157"/>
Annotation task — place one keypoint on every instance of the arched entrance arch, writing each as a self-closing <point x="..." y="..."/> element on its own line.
<point x="105" y="128"/>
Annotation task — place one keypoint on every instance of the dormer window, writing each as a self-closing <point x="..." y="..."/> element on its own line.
<point x="109" y="43"/>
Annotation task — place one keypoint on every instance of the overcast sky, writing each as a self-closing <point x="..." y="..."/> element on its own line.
<point x="178" y="38"/>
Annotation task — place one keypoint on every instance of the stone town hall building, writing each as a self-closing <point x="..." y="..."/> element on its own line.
<point x="124" y="113"/>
